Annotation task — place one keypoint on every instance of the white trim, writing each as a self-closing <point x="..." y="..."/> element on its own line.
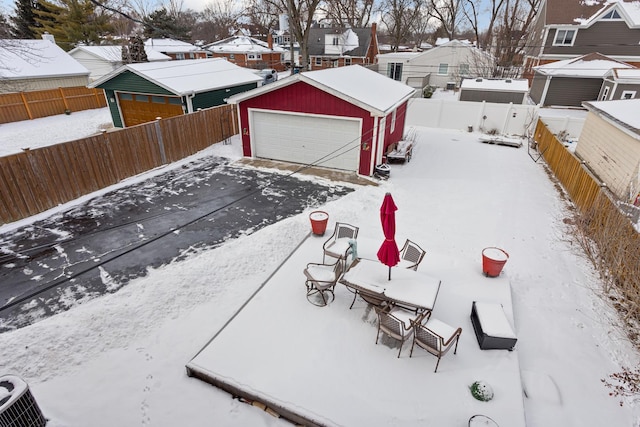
<point x="573" y="39"/>
<point x="628" y="92"/>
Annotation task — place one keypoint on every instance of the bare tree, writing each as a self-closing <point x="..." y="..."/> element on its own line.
<point x="401" y="17"/>
<point x="224" y="15"/>
<point x="447" y="12"/>
<point x="423" y="26"/>
<point x="473" y="10"/>
<point x="349" y="13"/>
<point x="517" y="19"/>
<point x="263" y="16"/>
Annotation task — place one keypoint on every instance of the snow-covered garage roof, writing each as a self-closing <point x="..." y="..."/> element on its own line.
<point x="189" y="75"/>
<point x="355" y="84"/>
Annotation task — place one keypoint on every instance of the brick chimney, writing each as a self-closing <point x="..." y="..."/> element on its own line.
<point x="270" y="41"/>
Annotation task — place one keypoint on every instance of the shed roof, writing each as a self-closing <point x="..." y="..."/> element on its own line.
<point x="189" y="75"/>
<point x="113" y="54"/>
<point x="586" y="66"/>
<point x="171" y="46"/>
<point x="355" y="84"/>
<point x="241" y="43"/>
<point x="24" y="59"/>
<point x="502" y="85"/>
<point x="623" y="112"/>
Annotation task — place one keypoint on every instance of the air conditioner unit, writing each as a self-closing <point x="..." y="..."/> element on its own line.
<point x="17" y="405"/>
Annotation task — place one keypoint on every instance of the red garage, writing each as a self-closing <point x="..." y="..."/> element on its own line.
<point x="340" y="118"/>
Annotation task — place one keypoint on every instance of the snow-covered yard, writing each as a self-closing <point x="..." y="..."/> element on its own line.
<point x="120" y="360"/>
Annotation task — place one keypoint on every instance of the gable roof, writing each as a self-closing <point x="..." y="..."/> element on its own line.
<point x="241" y="43"/>
<point x="23" y="59"/>
<point x="575" y="12"/>
<point x="171" y="46"/>
<point x="622" y="112"/>
<point x="113" y="54"/>
<point x="438" y="50"/>
<point x="187" y="76"/>
<point x="355" y="84"/>
<point x="587" y="66"/>
<point x="317" y="40"/>
<point x="625" y="75"/>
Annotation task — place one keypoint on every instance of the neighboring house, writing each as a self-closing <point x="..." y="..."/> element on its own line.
<point x="609" y="144"/>
<point x="572" y="81"/>
<point x="341" y="47"/>
<point x="565" y="29"/>
<point x="139" y="93"/>
<point x="248" y="52"/>
<point x="101" y="60"/>
<point x="31" y="65"/>
<point x="620" y="83"/>
<point x="443" y="66"/>
<point x="502" y="91"/>
<point x="176" y="49"/>
<point x="341" y="118"/>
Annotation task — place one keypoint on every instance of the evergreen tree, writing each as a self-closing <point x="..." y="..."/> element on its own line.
<point x="161" y="24"/>
<point x="73" y="22"/>
<point x="24" y="21"/>
<point x="133" y="51"/>
<point x="4" y="27"/>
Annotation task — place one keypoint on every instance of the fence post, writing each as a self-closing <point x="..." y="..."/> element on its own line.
<point x="64" y="100"/>
<point x="163" y="156"/>
<point x="26" y="105"/>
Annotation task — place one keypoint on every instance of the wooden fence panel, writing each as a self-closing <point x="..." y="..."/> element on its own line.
<point x="36" y="180"/>
<point x="15" y="107"/>
<point x="12" y="108"/>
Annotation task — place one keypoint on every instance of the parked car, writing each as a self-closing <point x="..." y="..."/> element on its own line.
<point x="269" y="75"/>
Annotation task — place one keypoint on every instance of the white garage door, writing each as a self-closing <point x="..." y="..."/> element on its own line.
<point x="318" y="140"/>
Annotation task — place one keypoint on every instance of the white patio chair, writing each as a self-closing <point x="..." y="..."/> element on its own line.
<point x="436" y="337"/>
<point x="321" y="280"/>
<point x="411" y="255"/>
<point x="396" y="323"/>
<point x="337" y="246"/>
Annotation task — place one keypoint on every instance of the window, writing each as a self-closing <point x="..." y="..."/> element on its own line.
<point x="192" y="55"/>
<point x="254" y="56"/>
<point x="335" y="64"/>
<point x="443" y="69"/>
<point x="605" y="93"/>
<point x="318" y="61"/>
<point x="335" y="41"/>
<point x="394" y="70"/>
<point x="393" y="121"/>
<point x="126" y="97"/>
<point x="179" y="55"/>
<point x="612" y="15"/>
<point x="232" y="56"/>
<point x="347" y="61"/>
<point x="628" y="94"/>
<point x="564" y="37"/>
<point x="175" y="101"/>
<point x="157" y="99"/>
<point x="464" y="69"/>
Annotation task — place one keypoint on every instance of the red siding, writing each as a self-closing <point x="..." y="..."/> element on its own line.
<point x="396" y="135"/>
<point x="303" y="98"/>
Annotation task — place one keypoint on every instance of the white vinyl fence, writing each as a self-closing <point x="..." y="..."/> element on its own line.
<point x="503" y="119"/>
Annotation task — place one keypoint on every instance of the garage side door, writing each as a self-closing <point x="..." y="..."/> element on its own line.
<point x="306" y="139"/>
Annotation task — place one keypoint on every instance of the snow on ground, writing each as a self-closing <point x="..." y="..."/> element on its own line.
<point x="120" y="360"/>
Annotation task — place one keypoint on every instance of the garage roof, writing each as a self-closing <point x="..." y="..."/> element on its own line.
<point x="30" y="59"/>
<point x="355" y="84"/>
<point x="188" y="76"/>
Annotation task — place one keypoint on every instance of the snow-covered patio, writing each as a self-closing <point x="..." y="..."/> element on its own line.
<point x="322" y="365"/>
<point x="119" y="360"/>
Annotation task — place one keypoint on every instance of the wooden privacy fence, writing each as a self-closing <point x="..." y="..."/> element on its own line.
<point x="18" y="106"/>
<point x="582" y="186"/>
<point x="36" y="180"/>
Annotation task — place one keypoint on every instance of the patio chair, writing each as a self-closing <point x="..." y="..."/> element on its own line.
<point x="436" y="337"/>
<point x="337" y="246"/>
<point x="411" y="255"/>
<point x="321" y="280"/>
<point x="396" y="323"/>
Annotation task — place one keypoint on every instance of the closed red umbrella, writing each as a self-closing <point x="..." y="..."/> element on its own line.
<point x="388" y="252"/>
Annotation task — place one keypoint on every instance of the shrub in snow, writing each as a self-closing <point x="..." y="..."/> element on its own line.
<point x="481" y="391"/>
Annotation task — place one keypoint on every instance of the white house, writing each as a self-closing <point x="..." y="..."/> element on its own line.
<point x="30" y="65"/>
<point x="443" y="66"/>
<point x="176" y="49"/>
<point x="101" y="60"/>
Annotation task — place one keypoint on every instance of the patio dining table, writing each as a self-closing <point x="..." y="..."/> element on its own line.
<point x="408" y="288"/>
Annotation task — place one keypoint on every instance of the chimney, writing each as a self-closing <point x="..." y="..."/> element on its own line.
<point x="270" y="41"/>
<point x="373" y="29"/>
<point x="48" y="37"/>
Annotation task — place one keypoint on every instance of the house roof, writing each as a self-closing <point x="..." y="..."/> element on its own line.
<point x="502" y="85"/>
<point x="358" y="40"/>
<point x="240" y="44"/>
<point x="188" y="76"/>
<point x="438" y="50"/>
<point x="575" y="12"/>
<point x="631" y="75"/>
<point x="355" y="84"/>
<point x="623" y="112"/>
<point x="168" y="45"/>
<point x="592" y="65"/>
<point x="113" y="54"/>
<point x="24" y="59"/>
